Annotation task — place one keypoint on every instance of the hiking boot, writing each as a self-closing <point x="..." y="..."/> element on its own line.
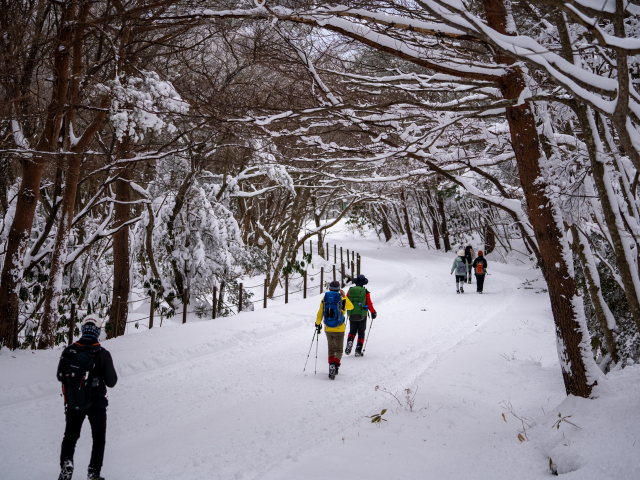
<point x="359" y="350"/>
<point x="66" y="470"/>
<point x="347" y="350"/>
<point x="461" y="289"/>
<point x="332" y="371"/>
<point x="337" y="368"/>
<point x="457" y="290"/>
<point x="469" y="281"/>
<point x="93" y="474"/>
<point x="480" y="291"/>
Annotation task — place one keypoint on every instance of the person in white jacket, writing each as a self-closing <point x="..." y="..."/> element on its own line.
<point x="460" y="267"/>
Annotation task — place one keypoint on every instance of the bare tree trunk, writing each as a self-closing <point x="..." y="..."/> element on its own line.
<point x="434" y="218"/>
<point x="489" y="240"/>
<point x="603" y="314"/>
<point x="18" y="239"/>
<point x="149" y="243"/>
<point x="17" y="244"/>
<point x="385" y="224"/>
<point x="53" y="291"/>
<point x="406" y="220"/>
<point x="121" y="267"/>
<point x="608" y="200"/>
<point x="400" y="227"/>
<point x="443" y="225"/>
<point x="579" y="371"/>
<point x="297" y="210"/>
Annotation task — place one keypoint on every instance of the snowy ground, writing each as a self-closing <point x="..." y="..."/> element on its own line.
<point x="227" y="398"/>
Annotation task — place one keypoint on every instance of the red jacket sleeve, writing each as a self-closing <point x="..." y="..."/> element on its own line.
<point x="369" y="304"/>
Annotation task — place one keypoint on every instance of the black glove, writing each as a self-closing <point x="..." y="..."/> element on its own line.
<point x="374" y="315"/>
<point x="319" y="328"/>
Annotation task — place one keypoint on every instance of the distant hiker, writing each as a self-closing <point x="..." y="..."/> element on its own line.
<point x="460" y="267"/>
<point x="332" y="310"/>
<point x="468" y="256"/>
<point x="85" y="370"/>
<point x="361" y="300"/>
<point x="480" y="269"/>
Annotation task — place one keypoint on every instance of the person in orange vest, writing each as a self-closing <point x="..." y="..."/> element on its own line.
<point x="480" y="269"/>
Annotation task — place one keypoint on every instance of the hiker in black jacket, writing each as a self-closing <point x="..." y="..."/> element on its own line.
<point x="102" y="375"/>
<point x="480" y="267"/>
<point x="468" y="256"/>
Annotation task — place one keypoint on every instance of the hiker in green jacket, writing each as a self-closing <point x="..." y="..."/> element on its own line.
<point x="460" y="267"/>
<point x="361" y="300"/>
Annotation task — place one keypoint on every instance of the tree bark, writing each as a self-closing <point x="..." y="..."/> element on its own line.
<point x="443" y="225"/>
<point x="608" y="200"/>
<point x="603" y="314"/>
<point x="53" y="291"/>
<point x="17" y="244"/>
<point x="121" y="267"/>
<point x="27" y="201"/>
<point x="385" y="224"/>
<point x="489" y="240"/>
<point x="434" y="218"/>
<point x="406" y="221"/>
<point x="574" y="350"/>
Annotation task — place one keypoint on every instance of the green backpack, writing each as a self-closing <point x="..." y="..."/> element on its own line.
<point x="358" y="296"/>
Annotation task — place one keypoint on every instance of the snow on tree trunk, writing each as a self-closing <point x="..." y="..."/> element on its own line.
<point x="16" y="249"/>
<point x="407" y="223"/>
<point x="121" y="267"/>
<point x="579" y="371"/>
<point x="385" y="224"/>
<point x="603" y="313"/>
<point x="53" y="289"/>
<point x="609" y="200"/>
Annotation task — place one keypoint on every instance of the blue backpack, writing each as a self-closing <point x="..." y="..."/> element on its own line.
<point x="332" y="313"/>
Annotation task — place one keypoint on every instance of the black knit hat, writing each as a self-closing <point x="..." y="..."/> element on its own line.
<point x="334" y="286"/>
<point x="360" y="280"/>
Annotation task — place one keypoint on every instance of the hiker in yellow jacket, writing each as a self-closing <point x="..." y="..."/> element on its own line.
<point x="333" y="309"/>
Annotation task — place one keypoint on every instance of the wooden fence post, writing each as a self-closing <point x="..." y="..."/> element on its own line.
<point x="342" y="274"/>
<point x="286" y="288"/>
<point x="328" y="255"/>
<point x="334" y="272"/>
<point x="305" y="285"/>
<point x="353" y="254"/>
<point x="341" y="260"/>
<point x="352" y="270"/>
<point x="321" y="278"/>
<point x="185" y="304"/>
<point x="358" y="264"/>
<point x="266" y="287"/>
<point x="152" y="307"/>
<point x="335" y="248"/>
<point x="240" y="298"/>
<point x="311" y="247"/>
<point x="348" y="259"/>
<point x="214" y="303"/>
<point x="72" y="323"/>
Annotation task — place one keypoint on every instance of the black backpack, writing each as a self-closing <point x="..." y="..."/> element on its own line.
<point x="79" y="379"/>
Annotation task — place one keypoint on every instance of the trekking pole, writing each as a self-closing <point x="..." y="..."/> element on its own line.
<point x="317" y="341"/>
<point x="368" y="335"/>
<point x="309" y="354"/>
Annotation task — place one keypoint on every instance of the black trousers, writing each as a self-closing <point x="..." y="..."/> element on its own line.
<point x="98" y="421"/>
<point x="480" y="282"/>
<point x="358" y="328"/>
<point x="460" y="279"/>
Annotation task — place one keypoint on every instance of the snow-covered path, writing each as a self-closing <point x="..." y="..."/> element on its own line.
<point x="227" y="398"/>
